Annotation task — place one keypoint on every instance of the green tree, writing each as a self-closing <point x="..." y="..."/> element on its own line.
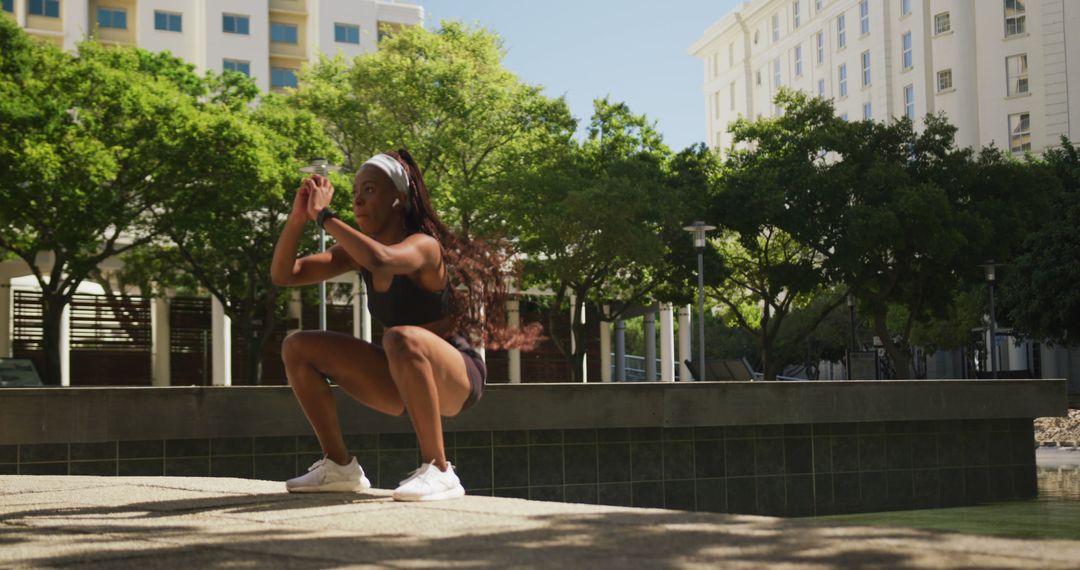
<point x="86" y="162"/>
<point x="225" y="245"/>
<point x="774" y="186"/>
<point x="445" y="96"/>
<point x="588" y="219"/>
<point x="1040" y="295"/>
<point x="923" y="215"/>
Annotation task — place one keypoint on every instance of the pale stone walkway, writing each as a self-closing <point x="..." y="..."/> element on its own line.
<point x="162" y="522"/>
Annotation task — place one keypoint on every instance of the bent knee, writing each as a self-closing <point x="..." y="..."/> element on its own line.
<point x="295" y="347"/>
<point x="403" y="340"/>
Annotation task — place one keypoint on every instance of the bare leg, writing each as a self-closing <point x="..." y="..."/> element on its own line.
<point x="360" y="368"/>
<point x="432" y="381"/>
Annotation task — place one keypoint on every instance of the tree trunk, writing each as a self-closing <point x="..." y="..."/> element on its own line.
<point x="898" y="354"/>
<point x="52" y="314"/>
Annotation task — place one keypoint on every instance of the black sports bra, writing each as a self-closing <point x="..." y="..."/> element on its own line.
<point x="405" y="302"/>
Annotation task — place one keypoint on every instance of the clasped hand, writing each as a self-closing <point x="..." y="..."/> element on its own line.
<point x="313" y="195"/>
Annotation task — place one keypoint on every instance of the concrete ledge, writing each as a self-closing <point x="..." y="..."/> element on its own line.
<point x="67" y="415"/>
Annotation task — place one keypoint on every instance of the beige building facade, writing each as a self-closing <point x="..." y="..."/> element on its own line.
<point x="266" y="39"/>
<point x="1005" y="72"/>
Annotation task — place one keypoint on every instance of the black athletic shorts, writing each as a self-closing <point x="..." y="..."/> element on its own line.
<point x="474" y="366"/>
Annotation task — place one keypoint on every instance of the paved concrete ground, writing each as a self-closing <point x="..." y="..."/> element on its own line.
<point x="162" y="522"/>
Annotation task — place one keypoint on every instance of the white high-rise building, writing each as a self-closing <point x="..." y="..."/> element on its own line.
<point x="266" y="39"/>
<point x="1003" y="71"/>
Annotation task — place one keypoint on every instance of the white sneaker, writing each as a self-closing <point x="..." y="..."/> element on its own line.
<point x="326" y="476"/>
<point x="428" y="483"/>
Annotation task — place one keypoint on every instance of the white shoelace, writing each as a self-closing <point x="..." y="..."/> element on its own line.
<point x="316" y="465"/>
<point x="416" y="473"/>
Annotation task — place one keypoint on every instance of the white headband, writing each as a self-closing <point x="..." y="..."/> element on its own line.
<point x="395" y="171"/>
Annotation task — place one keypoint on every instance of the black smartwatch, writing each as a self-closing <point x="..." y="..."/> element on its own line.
<point x="324" y="214"/>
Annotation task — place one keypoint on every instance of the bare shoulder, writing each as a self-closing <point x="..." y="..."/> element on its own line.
<point x="427" y="245"/>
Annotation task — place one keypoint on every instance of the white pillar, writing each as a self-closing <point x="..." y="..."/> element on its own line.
<point x="1018" y="359"/>
<point x="160" y="341"/>
<point x="513" y="320"/>
<point x="667" y="344"/>
<point x="650" y="346"/>
<point x="620" y="350"/>
<point x="605" y="348"/>
<point x="221" y="344"/>
<point x="573" y="338"/>
<point x="684" y="343"/>
<point x="65" y="346"/>
<point x="7" y="318"/>
<point x="480" y="347"/>
<point x="295" y="310"/>
<point x="361" y="321"/>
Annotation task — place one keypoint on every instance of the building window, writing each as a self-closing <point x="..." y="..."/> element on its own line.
<point x="776" y="73"/>
<point x="284" y="33"/>
<point x="817" y="5"/>
<point x="234" y="24"/>
<point x="844" y="117"/>
<point x="908" y="62"/>
<point x="841" y="35"/>
<point x="48" y="8"/>
<point x="757" y="78"/>
<point x="909" y="101"/>
<point x="867" y="111"/>
<point x="731" y="54"/>
<point x="9" y="5"/>
<point x="1015" y="17"/>
<point x="820" y="47"/>
<point x="1020" y="132"/>
<point x="282" y="77"/>
<point x="1016" y="71"/>
<point x="112" y="18"/>
<point x="905" y="7"/>
<point x="798" y="61"/>
<point x="346" y="34"/>
<point x="732" y="98"/>
<point x="757" y="36"/>
<point x="167" y="21"/>
<point x="776" y="27"/>
<point x="941" y="23"/>
<point x="944" y="80"/>
<point x="716" y="105"/>
<point x="866" y="68"/>
<point x="821" y="87"/>
<point x="795" y="19"/>
<point x="237" y="66"/>
<point x="864" y="17"/>
<point x="843" y="80"/>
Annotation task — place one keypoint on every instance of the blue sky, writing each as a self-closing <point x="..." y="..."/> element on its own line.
<point x="632" y="50"/>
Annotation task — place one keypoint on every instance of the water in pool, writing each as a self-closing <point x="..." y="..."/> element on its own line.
<point x="1054" y="514"/>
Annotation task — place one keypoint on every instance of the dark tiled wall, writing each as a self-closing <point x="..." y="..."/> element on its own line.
<point x="787" y="470"/>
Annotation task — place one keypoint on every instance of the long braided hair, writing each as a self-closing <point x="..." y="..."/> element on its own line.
<point x="478" y="272"/>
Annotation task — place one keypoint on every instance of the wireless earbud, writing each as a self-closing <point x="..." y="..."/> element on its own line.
<point x="396" y="202"/>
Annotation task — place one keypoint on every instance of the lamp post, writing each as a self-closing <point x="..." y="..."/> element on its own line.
<point x="851" y="315"/>
<point x="322" y="167"/>
<point x="697" y="230"/>
<point x="988" y="267"/>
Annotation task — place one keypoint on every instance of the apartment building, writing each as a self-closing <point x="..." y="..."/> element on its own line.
<point x="1003" y="71"/>
<point x="266" y="39"/>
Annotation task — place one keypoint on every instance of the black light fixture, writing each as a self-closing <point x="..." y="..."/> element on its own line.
<point x="697" y="231"/>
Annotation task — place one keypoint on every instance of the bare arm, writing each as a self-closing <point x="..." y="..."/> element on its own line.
<point x="416" y="252"/>
<point x="287" y="270"/>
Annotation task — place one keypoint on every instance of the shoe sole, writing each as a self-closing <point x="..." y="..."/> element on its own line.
<point x="454" y="493"/>
<point x="337" y="487"/>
